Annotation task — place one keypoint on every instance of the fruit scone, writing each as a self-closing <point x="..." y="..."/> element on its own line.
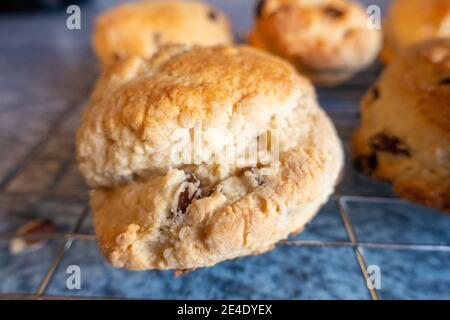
<point x="412" y="21"/>
<point x="155" y="209"/>
<point x="140" y="27"/>
<point x="404" y="135"/>
<point x="327" y="40"/>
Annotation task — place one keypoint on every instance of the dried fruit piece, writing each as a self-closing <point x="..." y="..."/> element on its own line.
<point x="260" y="7"/>
<point x="212" y="14"/>
<point x="192" y="178"/>
<point x="366" y="164"/>
<point x="116" y="56"/>
<point x="18" y="245"/>
<point x="375" y="93"/>
<point x="383" y="142"/>
<point x="333" y="12"/>
<point x="183" y="201"/>
<point x="445" y="81"/>
<point x="189" y="193"/>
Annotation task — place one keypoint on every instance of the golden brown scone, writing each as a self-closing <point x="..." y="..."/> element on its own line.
<point x="412" y="21"/>
<point x="405" y="127"/>
<point x="327" y="40"/>
<point x="153" y="210"/>
<point x="140" y="27"/>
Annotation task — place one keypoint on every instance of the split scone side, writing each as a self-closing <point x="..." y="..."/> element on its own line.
<point x="151" y="209"/>
<point x="404" y="135"/>
<point x="140" y="27"/>
<point x="412" y="21"/>
<point x="327" y="40"/>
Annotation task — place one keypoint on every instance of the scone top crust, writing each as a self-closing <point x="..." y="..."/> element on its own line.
<point x="181" y="86"/>
<point x="424" y="72"/>
<point x="411" y="21"/>
<point x="138" y="104"/>
<point x="140" y="27"/>
<point x="316" y="35"/>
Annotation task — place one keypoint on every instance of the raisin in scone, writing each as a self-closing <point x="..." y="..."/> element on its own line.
<point x="327" y="40"/>
<point x="140" y="27"/>
<point x="154" y="209"/>
<point x="405" y="127"/>
<point x="412" y="21"/>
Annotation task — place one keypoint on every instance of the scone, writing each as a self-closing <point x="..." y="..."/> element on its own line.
<point x="327" y="40"/>
<point x="405" y="127"/>
<point x="154" y="208"/>
<point x="140" y="27"/>
<point x="412" y="21"/>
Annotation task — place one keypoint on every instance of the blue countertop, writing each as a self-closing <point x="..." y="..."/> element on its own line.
<point x="47" y="73"/>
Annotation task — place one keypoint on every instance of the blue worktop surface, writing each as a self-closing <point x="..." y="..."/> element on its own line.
<point x="47" y="73"/>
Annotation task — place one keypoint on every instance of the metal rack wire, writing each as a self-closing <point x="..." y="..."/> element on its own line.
<point x="69" y="237"/>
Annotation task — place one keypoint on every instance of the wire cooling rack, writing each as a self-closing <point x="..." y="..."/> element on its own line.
<point x="74" y="233"/>
<point x="341" y="104"/>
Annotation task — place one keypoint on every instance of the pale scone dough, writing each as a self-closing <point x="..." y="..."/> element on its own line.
<point x="141" y="27"/>
<point x="404" y="135"/>
<point x="154" y="212"/>
<point x="412" y="21"/>
<point x="327" y="40"/>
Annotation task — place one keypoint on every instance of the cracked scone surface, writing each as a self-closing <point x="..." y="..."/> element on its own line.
<point x="405" y="127"/>
<point x="327" y="40"/>
<point x="153" y="211"/>
<point x="412" y="21"/>
<point x="140" y="27"/>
